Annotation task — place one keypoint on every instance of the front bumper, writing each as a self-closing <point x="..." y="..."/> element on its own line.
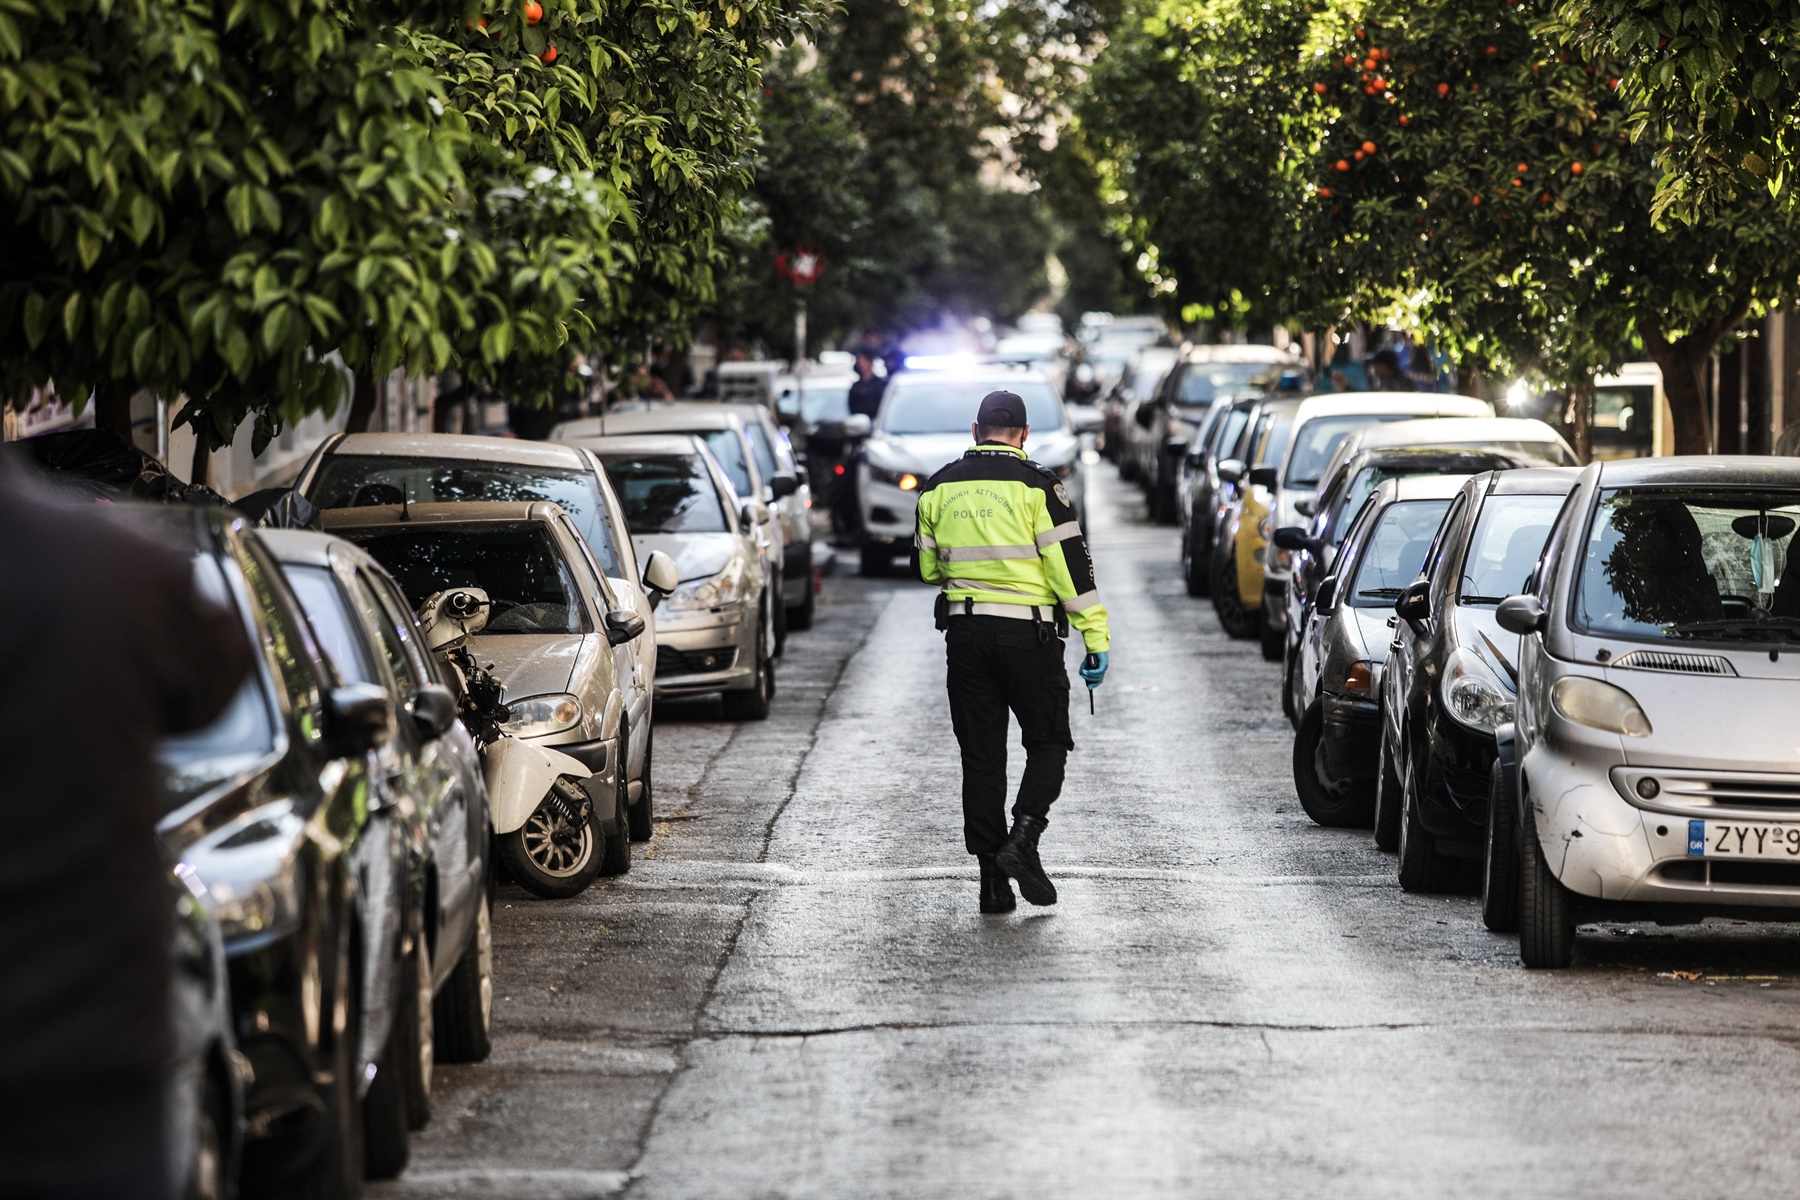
<point x="1352" y="736"/>
<point x="706" y="653"/>
<point x="889" y="514"/>
<point x="1608" y="848"/>
<point x="1454" y="803"/>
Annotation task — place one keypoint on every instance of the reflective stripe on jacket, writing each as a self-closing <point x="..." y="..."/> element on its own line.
<point x="998" y="528"/>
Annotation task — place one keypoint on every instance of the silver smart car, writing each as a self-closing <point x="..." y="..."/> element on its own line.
<point x="1653" y="771"/>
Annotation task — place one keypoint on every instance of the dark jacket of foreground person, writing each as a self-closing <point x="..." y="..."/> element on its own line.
<point x="105" y="647"/>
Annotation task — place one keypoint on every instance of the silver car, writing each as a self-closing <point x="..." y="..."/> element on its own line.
<point x="550" y="635"/>
<point x="716" y="631"/>
<point x="360" y="469"/>
<point x="1652" y="771"/>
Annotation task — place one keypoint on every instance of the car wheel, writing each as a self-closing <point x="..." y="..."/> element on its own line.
<point x="877" y="559"/>
<point x="1422" y="868"/>
<point x="1333" y="803"/>
<point x="419" y="1052"/>
<point x="386" y="1142"/>
<point x="800" y="616"/>
<point x="1193" y="566"/>
<point x="615" y="850"/>
<point x="752" y="703"/>
<point x="642" y="816"/>
<point x="1500" y="865"/>
<point x="464" y="1017"/>
<point x="556" y="853"/>
<point x="1546" y="907"/>
<point x="1274" y="638"/>
<point x="1387" y="798"/>
<point x="1238" y="621"/>
<point x="336" y="1171"/>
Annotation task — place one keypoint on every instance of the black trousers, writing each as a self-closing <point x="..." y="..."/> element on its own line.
<point x="999" y="665"/>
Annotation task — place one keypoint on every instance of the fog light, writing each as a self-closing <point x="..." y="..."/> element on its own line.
<point x="1648" y="788"/>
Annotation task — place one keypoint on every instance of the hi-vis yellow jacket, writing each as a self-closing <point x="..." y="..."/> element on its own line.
<point x="996" y="528"/>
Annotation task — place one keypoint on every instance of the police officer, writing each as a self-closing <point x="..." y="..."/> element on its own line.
<point x="997" y="532"/>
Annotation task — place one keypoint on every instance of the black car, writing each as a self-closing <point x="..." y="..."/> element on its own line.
<point x="1452" y="671"/>
<point x="1205" y="376"/>
<point x="1197" y="487"/>
<point x="292" y="832"/>
<point x="1315" y="546"/>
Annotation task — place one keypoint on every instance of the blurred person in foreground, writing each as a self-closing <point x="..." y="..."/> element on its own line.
<point x="106" y="646"/>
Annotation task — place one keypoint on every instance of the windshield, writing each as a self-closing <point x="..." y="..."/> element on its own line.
<point x="362" y="480"/>
<point x="822" y="401"/>
<point x="1508" y="539"/>
<point x="1395" y="551"/>
<point x="666" y="493"/>
<point x="237" y="737"/>
<point x="1692" y="565"/>
<point x="518" y="566"/>
<point x="1272" y="438"/>
<point x="1366" y="480"/>
<point x="728" y="448"/>
<point x="947" y="407"/>
<point x="1202" y="383"/>
<point x="1321" y="435"/>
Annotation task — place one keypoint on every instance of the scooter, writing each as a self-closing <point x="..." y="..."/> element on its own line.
<point x="546" y="832"/>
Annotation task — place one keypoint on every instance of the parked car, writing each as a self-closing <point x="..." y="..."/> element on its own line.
<point x="1137" y="385"/>
<point x="1320" y="424"/>
<point x="367" y="630"/>
<point x="775" y="458"/>
<point x="924" y="424"/>
<point x="1651" y="768"/>
<point x="361" y="469"/>
<point x="815" y="408"/>
<point x="728" y="436"/>
<point x="716" y="631"/>
<point x="299" y="842"/>
<point x="203" y="1094"/>
<point x="1204" y="376"/>
<point x="1525" y="441"/>
<point x="1246" y="483"/>
<point x="1198" y="489"/>
<point x="1450" y="672"/>
<point x="1344" y="643"/>
<point x="552" y="627"/>
<point x="1314" y="547"/>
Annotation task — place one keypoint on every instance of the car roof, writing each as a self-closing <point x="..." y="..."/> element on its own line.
<point x="1376" y="403"/>
<point x="1536" y="481"/>
<point x="302" y="547"/>
<point x="1429" y="430"/>
<point x="517" y="451"/>
<point x="1426" y="487"/>
<point x="1715" y="469"/>
<point x="645" y="443"/>
<point x="663" y="418"/>
<point x="466" y="512"/>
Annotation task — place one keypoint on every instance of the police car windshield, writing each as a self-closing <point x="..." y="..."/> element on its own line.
<point x="948" y="406"/>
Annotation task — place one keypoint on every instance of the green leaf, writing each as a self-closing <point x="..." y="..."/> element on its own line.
<point x="37" y="319"/>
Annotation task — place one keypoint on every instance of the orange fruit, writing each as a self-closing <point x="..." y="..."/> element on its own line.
<point x="1574" y="168"/>
<point x="549" y="55"/>
<point x="1343" y="164"/>
<point x="1443" y="89"/>
<point x="1368" y="147"/>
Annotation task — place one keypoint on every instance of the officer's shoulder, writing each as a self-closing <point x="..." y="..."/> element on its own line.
<point x="1041" y="469"/>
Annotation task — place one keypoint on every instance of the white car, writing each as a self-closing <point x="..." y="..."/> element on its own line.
<point x="924" y="425"/>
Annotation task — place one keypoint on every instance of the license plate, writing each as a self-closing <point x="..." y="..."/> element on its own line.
<point x="1738" y="839"/>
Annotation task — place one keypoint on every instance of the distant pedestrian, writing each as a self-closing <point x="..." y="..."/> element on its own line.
<point x="998" y="534"/>
<point x="106" y="646"/>
<point x="866" y="392"/>
<point x="1389" y="377"/>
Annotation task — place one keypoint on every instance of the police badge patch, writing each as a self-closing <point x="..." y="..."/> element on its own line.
<point x="1062" y="493"/>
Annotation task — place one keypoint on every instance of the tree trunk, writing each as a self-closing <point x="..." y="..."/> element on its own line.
<point x="1684" y="364"/>
<point x="1581" y="422"/>
<point x="362" y="402"/>
<point x="112" y="409"/>
<point x="202" y="466"/>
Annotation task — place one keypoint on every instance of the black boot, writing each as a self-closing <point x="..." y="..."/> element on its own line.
<point x="1019" y="858"/>
<point x="996" y="889"/>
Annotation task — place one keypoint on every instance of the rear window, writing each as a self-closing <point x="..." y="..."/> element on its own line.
<point x="1320" y="436"/>
<point x="666" y="493"/>
<point x="1395" y="552"/>
<point x="518" y="566"/>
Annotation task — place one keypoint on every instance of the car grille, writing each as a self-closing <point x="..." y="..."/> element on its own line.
<point x="1713" y="872"/>
<point x="1680" y="664"/>
<point x="694" y="662"/>
<point x="1676" y="791"/>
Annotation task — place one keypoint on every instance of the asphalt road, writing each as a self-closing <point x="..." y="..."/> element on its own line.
<point x="793" y="995"/>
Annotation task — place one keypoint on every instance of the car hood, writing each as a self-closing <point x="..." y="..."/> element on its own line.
<point x="531" y="664"/>
<point x="1477" y="627"/>
<point x="696" y="555"/>
<point x="920" y="453"/>
<point x="1367" y="632"/>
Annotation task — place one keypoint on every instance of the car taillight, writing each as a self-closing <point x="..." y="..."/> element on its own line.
<point x="838" y="470"/>
<point x="1359" y="680"/>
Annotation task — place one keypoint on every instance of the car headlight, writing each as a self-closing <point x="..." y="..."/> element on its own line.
<point x="1473" y="694"/>
<point x="251" y="875"/>
<point x="1599" y="705"/>
<point x="906" y="481"/>
<point x="715" y="591"/>
<point x="536" y="716"/>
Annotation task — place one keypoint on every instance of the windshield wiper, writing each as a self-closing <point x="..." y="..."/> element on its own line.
<point x="1382" y="593"/>
<point x="1479" y="599"/>
<point x="1745" y="624"/>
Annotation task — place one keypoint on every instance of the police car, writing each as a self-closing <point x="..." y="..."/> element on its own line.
<point x="924" y="423"/>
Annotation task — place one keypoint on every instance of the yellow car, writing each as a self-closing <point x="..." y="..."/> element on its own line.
<point x="1247" y="483"/>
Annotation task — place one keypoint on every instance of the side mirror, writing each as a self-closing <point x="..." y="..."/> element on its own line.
<point x="1521" y="615"/>
<point x="755" y="512"/>
<point x="433" y="710"/>
<point x="783" y="486"/>
<point x="1262" y="477"/>
<point x="660" y="575"/>
<point x="623" y="624"/>
<point x="1292" y="537"/>
<point x="358" y="718"/>
<point x="1325" y="595"/>
<point x="1307" y="506"/>
<point x="1231" y="470"/>
<point x="1145" y="415"/>
<point x="1414" y="604"/>
<point x="858" y="425"/>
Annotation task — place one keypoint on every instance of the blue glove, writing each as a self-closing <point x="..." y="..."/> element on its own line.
<point x="1093" y="669"/>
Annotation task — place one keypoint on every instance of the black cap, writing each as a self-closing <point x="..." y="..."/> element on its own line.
<point x="1002" y="410"/>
